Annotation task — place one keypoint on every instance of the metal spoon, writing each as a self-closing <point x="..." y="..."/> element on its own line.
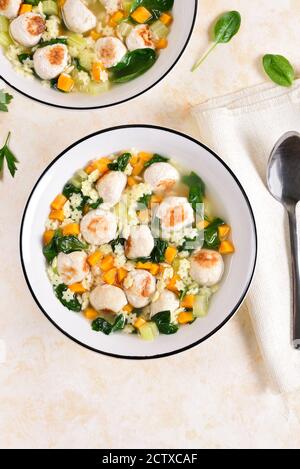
<point x="283" y="179"/>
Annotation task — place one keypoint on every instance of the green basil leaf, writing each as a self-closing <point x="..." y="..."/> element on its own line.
<point x="73" y="304"/>
<point x="132" y="65"/>
<point x="156" y="159"/>
<point x="121" y="163"/>
<point x="279" y="69"/>
<point x="227" y="26"/>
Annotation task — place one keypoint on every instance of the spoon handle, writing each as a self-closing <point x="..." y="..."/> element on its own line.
<point x="296" y="277"/>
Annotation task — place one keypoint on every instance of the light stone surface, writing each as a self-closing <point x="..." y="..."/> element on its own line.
<point x="55" y="394"/>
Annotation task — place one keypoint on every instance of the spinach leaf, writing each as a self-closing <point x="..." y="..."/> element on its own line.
<point x="196" y="198"/>
<point x="73" y="304"/>
<point x="51" y="42"/>
<point x="96" y="204"/>
<point x="119" y="323"/>
<point x="190" y="244"/>
<point x="101" y="325"/>
<point x="79" y="67"/>
<point x="23" y="57"/>
<point x="32" y="2"/>
<point x="211" y="235"/>
<point x="145" y="200"/>
<point x="68" y="244"/>
<point x="279" y="69"/>
<point x="197" y="189"/>
<point x="53" y="84"/>
<point x="158" y="253"/>
<point x="194" y="180"/>
<point x="59" y="243"/>
<point x="163" y="322"/>
<point x="69" y="189"/>
<point x="117" y="241"/>
<point x="227" y="26"/>
<point x="156" y="7"/>
<point x="132" y="65"/>
<point x="225" y="29"/>
<point x="84" y="203"/>
<point x="156" y="159"/>
<point x="121" y="163"/>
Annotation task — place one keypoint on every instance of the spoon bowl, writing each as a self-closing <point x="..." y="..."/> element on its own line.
<point x="284" y="170"/>
<point x="283" y="178"/>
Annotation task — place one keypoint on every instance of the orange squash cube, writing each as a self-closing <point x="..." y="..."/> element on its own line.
<point x="48" y="236"/>
<point x="185" y="318"/>
<point x="141" y="15"/>
<point x="94" y="258"/>
<point x="59" y="202"/>
<point x="71" y="229"/>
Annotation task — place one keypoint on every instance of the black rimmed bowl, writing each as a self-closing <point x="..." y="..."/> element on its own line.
<point x="230" y="202"/>
<point x="181" y="31"/>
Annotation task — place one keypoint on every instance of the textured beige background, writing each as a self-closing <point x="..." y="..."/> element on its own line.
<point x="54" y="393"/>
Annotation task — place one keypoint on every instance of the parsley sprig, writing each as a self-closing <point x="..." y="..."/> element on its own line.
<point x="5" y="99"/>
<point x="7" y="155"/>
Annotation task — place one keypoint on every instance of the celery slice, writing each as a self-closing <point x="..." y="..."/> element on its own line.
<point x="95" y="88"/>
<point x="5" y="40"/>
<point x="81" y="174"/>
<point x="50" y="7"/>
<point x="76" y="40"/>
<point x="125" y="29"/>
<point x="127" y="4"/>
<point x="202" y="302"/>
<point x="159" y="29"/>
<point x="86" y="59"/>
<point x="149" y="331"/>
<point x="4" y="24"/>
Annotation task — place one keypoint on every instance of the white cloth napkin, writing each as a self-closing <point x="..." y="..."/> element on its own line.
<point x="243" y="128"/>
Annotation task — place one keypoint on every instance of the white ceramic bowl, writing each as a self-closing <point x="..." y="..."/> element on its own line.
<point x="182" y="27"/>
<point x="231" y="203"/>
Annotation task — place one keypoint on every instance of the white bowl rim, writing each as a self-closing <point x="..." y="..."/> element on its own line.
<point x="88" y="108"/>
<point x="226" y="167"/>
